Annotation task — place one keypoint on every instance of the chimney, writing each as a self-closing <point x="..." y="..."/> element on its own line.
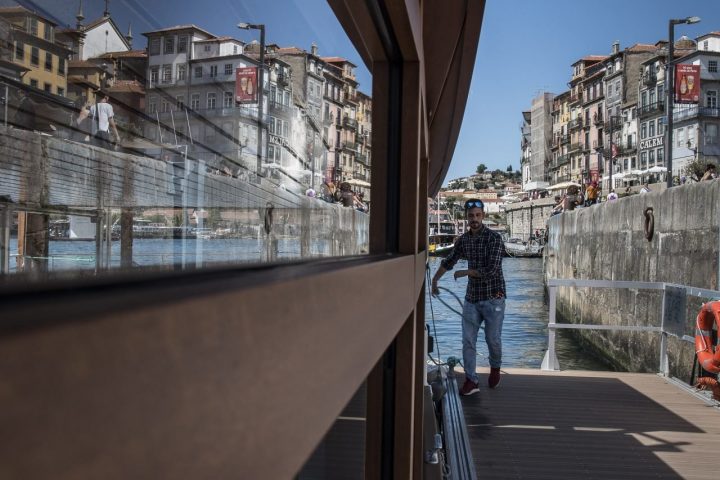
<point x="129" y="36"/>
<point x="314" y="49"/>
<point x="616" y="47"/>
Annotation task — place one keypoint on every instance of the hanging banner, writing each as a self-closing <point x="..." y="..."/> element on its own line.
<point x="246" y="85"/>
<point x="614" y="150"/>
<point x="687" y="83"/>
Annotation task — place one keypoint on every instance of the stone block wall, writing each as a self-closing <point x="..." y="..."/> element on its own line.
<point x="523" y="218"/>
<point x="608" y="242"/>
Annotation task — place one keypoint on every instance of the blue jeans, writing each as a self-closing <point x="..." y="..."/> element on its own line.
<point x="492" y="313"/>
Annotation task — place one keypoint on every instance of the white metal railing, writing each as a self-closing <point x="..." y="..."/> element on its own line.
<point x="672" y="314"/>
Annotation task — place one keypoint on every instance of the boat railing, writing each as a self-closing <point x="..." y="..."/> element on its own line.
<point x="672" y="315"/>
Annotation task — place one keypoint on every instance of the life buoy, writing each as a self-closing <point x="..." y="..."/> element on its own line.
<point x="709" y="359"/>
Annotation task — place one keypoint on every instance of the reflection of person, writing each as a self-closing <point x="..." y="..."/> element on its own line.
<point x="103" y="121"/>
<point x="485" y="295"/>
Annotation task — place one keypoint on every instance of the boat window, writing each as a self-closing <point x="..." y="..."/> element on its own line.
<point x="104" y="167"/>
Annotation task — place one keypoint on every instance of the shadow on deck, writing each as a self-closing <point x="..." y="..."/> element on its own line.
<point x="605" y="425"/>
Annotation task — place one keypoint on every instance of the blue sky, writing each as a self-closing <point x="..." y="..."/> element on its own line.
<point x="527" y="46"/>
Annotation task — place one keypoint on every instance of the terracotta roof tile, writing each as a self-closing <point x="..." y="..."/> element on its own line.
<point x="129" y="53"/>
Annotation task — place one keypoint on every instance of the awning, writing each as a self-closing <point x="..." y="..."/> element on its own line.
<point x="657" y="169"/>
<point x="360" y="183"/>
<point x="562" y="185"/>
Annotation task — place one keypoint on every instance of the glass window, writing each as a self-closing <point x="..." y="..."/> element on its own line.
<point x="643" y="130"/>
<point x="167" y="74"/>
<point x="172" y="226"/>
<point x="643" y="160"/>
<point x="680" y="137"/>
<point x="651" y="158"/>
<point x="659" y="155"/>
<point x="711" y="99"/>
<point x="712" y="66"/>
<point x="711" y="134"/>
<point x="154" y="48"/>
<point x="651" y="128"/>
<point x="47" y="87"/>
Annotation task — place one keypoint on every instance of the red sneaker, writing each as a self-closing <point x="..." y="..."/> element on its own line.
<point x="494" y="378"/>
<point x="469" y="387"/>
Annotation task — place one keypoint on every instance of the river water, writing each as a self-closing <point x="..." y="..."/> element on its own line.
<point x="525" y="333"/>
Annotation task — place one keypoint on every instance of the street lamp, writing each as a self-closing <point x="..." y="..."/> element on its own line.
<point x="670" y="91"/>
<point x="260" y="88"/>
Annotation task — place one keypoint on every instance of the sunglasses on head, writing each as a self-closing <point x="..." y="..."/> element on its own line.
<point x="474" y="204"/>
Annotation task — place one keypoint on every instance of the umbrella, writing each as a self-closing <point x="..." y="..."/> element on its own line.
<point x="657" y="169"/>
<point x="560" y="186"/>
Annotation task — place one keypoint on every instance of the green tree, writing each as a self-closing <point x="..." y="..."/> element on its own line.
<point x="509" y="169"/>
<point x="695" y="169"/>
<point x="481" y="168"/>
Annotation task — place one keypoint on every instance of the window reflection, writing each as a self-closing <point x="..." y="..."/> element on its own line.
<point x="163" y="150"/>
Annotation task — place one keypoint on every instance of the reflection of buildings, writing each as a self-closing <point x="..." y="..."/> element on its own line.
<point x="37" y="50"/>
<point x="317" y="124"/>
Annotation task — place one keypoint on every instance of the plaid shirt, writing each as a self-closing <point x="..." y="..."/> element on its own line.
<point x="484" y="253"/>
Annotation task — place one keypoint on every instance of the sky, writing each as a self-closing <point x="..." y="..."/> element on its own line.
<point x="526" y="47"/>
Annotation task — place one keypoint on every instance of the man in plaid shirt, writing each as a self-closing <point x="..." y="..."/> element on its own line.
<point x="485" y="297"/>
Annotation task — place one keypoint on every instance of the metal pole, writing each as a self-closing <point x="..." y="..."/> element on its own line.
<point x="260" y="89"/>
<point x="550" y="362"/>
<point x="664" y="369"/>
<point x="7" y="101"/>
<point x="610" y="187"/>
<point x="5" y="216"/>
<point x="669" y="97"/>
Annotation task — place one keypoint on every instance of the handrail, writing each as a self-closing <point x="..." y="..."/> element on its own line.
<point x="550" y="361"/>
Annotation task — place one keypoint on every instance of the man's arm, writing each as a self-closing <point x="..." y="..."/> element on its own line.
<point x="446" y="265"/>
<point x="494" y="259"/>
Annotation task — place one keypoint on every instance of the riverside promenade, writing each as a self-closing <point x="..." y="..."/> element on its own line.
<point x="595" y="425"/>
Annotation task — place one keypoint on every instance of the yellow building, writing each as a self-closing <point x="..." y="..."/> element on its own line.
<point x="36" y="49"/>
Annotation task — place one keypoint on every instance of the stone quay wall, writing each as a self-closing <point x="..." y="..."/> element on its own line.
<point x="523" y="218"/>
<point x="608" y="242"/>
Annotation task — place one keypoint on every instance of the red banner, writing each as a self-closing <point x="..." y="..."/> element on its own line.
<point x="246" y="85"/>
<point x="687" y="83"/>
<point x="614" y="150"/>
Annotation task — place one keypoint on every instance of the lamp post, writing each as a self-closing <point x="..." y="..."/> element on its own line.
<point x="670" y="91"/>
<point x="260" y="89"/>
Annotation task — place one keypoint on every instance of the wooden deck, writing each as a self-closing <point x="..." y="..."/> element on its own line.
<point x="599" y="425"/>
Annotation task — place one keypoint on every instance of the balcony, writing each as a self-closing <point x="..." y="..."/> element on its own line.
<point x="649" y="79"/>
<point x="575" y="147"/>
<point x="684" y="112"/>
<point x="362" y="158"/>
<point x="350" y="123"/>
<point x="350" y="146"/>
<point x="586" y="148"/>
<point x="651" y="109"/>
<point x="597" y="119"/>
<point x="278" y="107"/>
<point x="564" y="139"/>
<point x="283" y="79"/>
<point x="575" y="124"/>
<point x="616" y="124"/>
<point x="598" y="145"/>
<point x="577" y="98"/>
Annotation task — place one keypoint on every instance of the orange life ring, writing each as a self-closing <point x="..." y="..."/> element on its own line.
<point x="709" y="359"/>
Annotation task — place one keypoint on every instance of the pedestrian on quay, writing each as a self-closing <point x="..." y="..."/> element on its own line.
<point x="612" y="196"/>
<point x="591" y="194"/>
<point x="710" y="173"/>
<point x="645" y="188"/>
<point x="485" y="295"/>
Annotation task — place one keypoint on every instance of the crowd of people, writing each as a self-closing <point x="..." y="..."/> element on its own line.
<point x="575" y="197"/>
<point x="342" y="194"/>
